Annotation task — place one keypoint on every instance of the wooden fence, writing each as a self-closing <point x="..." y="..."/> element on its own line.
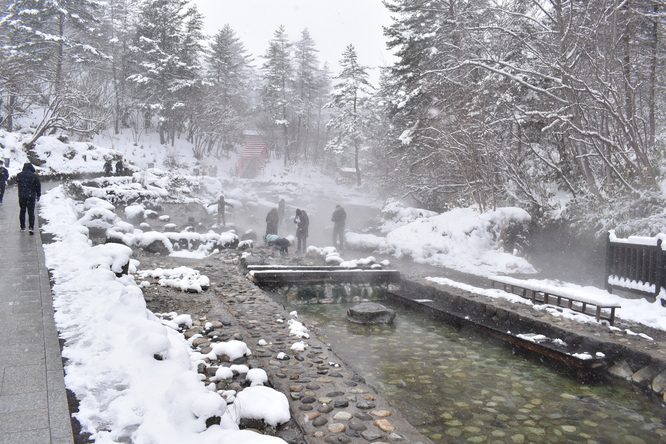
<point x="635" y="264"/>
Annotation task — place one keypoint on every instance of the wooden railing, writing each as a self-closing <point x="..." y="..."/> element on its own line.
<point x="635" y="264"/>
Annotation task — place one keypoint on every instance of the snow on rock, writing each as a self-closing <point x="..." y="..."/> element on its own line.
<point x="182" y="278"/>
<point x="256" y="376"/>
<point x="262" y="403"/>
<point x="462" y="239"/>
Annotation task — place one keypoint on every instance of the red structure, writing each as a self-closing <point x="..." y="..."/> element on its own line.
<point x="252" y="156"/>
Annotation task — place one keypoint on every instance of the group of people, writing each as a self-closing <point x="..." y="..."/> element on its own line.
<point x="276" y="215"/>
<point x="29" y="192"/>
<point x="108" y="167"/>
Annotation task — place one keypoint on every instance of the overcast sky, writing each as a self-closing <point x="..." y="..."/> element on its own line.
<point x="333" y="24"/>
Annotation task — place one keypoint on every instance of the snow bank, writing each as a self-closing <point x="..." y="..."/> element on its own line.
<point x="135" y="378"/>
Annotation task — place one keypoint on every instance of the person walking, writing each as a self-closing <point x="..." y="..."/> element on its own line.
<point x="272" y="220"/>
<point x="29" y="191"/>
<point x="339" y="217"/>
<point x="4" y="176"/>
<point x="302" y="222"/>
<point x="221" y="210"/>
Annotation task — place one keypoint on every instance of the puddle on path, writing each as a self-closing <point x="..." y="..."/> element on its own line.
<point x="459" y="388"/>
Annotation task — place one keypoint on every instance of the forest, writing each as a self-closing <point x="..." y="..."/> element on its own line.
<point x="554" y="106"/>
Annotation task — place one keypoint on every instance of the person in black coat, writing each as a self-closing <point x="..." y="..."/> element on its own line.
<point x="302" y="221"/>
<point x="4" y="176"/>
<point x="272" y="220"/>
<point x="29" y="191"/>
<point x="339" y="217"/>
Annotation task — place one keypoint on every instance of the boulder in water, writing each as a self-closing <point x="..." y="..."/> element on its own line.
<point x="370" y="313"/>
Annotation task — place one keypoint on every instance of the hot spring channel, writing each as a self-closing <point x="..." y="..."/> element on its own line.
<point x="455" y="385"/>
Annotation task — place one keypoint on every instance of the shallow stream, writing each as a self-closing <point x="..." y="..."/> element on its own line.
<point x="455" y="386"/>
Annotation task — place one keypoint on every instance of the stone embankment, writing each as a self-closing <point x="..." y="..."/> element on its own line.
<point x="633" y="352"/>
<point x="329" y="402"/>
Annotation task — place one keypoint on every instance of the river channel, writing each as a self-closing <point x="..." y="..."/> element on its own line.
<point x="456" y="387"/>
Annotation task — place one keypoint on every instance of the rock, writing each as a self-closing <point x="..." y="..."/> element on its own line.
<point x="659" y="383"/>
<point x="370" y="435"/>
<point x="319" y="421"/>
<point x="621" y="370"/>
<point x="384" y="424"/>
<point x="342" y="416"/>
<point x="380" y="413"/>
<point x="370" y="313"/>
<point x="336" y="427"/>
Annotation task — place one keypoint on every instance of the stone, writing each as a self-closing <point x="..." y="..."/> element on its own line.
<point x="341" y="404"/>
<point x="342" y="416"/>
<point x="371" y="435"/>
<point x="394" y="437"/>
<point x="362" y="416"/>
<point x="308" y="400"/>
<point x="336" y="427"/>
<point x="659" y="383"/>
<point x="384" y="424"/>
<point x="365" y="405"/>
<point x="325" y="408"/>
<point x="621" y="370"/>
<point x="311" y="415"/>
<point x="370" y="313"/>
<point x="357" y="425"/>
<point x="319" y="421"/>
<point x="380" y="413"/>
<point x="645" y="375"/>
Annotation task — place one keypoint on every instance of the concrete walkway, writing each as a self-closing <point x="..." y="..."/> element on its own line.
<point x="33" y="401"/>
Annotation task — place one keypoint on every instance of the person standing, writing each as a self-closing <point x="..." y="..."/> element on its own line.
<point x="272" y="220"/>
<point x="280" y="211"/>
<point x="339" y="217"/>
<point x="302" y="221"/>
<point x="119" y="168"/>
<point x="108" y="168"/>
<point x="221" y="210"/>
<point x="4" y="176"/>
<point x="29" y="191"/>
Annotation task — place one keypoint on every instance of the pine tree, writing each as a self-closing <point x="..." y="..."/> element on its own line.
<point x="277" y="91"/>
<point x="166" y="63"/>
<point x="220" y="119"/>
<point x="349" y="97"/>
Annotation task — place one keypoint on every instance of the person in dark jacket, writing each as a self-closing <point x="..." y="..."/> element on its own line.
<point x="272" y="220"/>
<point x="29" y="191"/>
<point x="4" y="176"/>
<point x="108" y="168"/>
<point x="302" y="221"/>
<point x="339" y="217"/>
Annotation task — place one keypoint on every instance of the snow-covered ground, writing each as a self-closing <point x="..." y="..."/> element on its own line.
<point x="112" y="339"/>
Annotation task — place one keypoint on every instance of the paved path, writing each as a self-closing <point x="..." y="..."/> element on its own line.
<point x="33" y="402"/>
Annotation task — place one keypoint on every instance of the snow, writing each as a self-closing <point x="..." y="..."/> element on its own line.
<point x="111" y="345"/>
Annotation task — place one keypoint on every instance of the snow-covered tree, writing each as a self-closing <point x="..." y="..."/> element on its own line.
<point x="166" y="68"/>
<point x="222" y="114"/>
<point x="277" y="92"/>
<point x="349" y="96"/>
<point x="46" y="42"/>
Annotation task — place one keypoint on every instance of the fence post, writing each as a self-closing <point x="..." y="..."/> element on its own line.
<point x="659" y="278"/>
<point x="609" y="257"/>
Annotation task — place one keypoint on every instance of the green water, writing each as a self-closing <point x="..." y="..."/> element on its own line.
<point x="456" y="387"/>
